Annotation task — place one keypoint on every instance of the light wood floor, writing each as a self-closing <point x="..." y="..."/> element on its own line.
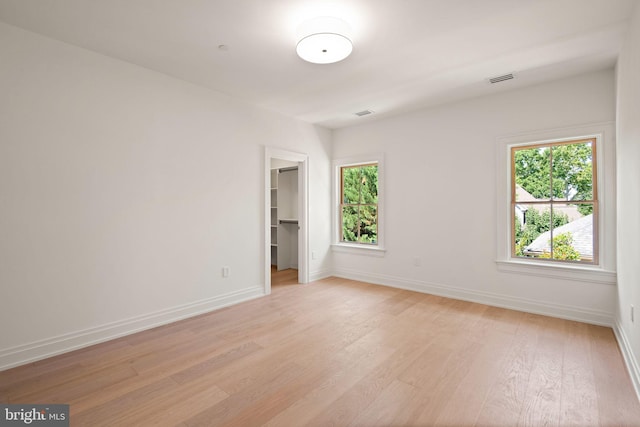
<point x="339" y="352"/>
<point x="284" y="277"/>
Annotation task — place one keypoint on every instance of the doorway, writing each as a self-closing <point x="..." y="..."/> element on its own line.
<point x="286" y="217"/>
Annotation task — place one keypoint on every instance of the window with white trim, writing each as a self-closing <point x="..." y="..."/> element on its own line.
<point x="601" y="268"/>
<point x="358" y="195"/>
<point x="359" y="204"/>
<point x="554" y="201"/>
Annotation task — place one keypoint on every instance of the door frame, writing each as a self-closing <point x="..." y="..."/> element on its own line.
<point x="303" y="212"/>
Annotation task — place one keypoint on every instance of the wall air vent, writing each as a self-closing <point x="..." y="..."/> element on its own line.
<point x="363" y="113"/>
<point x="501" y="78"/>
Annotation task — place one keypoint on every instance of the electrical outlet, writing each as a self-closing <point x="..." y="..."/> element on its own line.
<point x="313" y="255"/>
<point x="226" y="271"/>
<point x="632" y="314"/>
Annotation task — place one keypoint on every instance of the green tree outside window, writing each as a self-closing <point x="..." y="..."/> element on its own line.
<point x="359" y="204"/>
<point x="556" y="176"/>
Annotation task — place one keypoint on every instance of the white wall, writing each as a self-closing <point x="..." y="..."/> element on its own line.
<point x="288" y="209"/>
<point x="628" y="167"/>
<point x="288" y="194"/>
<point x="441" y="195"/>
<point x="124" y="192"/>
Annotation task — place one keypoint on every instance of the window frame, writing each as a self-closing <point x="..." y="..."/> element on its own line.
<point x="371" y="249"/>
<point x="553" y="201"/>
<point x="359" y="205"/>
<point x="604" y="271"/>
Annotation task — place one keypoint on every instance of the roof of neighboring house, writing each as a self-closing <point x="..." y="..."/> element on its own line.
<point x="581" y="230"/>
<point x="522" y="196"/>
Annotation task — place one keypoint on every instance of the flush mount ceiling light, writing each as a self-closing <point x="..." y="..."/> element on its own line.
<point x="324" y="40"/>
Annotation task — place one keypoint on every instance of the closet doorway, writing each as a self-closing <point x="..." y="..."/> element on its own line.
<point x="286" y="217"/>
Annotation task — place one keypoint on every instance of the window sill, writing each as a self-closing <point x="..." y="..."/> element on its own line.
<point x="559" y="271"/>
<point x="375" y="251"/>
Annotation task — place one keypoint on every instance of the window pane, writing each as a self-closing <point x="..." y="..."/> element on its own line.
<point x="554" y="206"/>
<point x="368" y="224"/>
<point x="369" y="185"/>
<point x="351" y="179"/>
<point x="349" y="223"/>
<point x="572" y="234"/>
<point x="359" y="211"/>
<point x="530" y="222"/>
<point x="572" y="171"/>
<point x="532" y="172"/>
<point x="540" y="246"/>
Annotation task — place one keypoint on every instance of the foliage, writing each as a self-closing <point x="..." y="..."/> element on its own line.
<point x="563" y="172"/>
<point x="562" y="248"/>
<point x="360" y="204"/>
<point x="536" y="224"/>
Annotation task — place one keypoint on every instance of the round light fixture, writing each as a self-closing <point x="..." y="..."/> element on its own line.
<point x="324" y="40"/>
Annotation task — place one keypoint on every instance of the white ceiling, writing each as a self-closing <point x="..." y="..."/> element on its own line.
<point x="407" y="54"/>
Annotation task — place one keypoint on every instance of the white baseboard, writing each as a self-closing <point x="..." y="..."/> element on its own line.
<point x="320" y="274"/>
<point x="629" y="358"/>
<point x="579" y="314"/>
<point x="31" y="352"/>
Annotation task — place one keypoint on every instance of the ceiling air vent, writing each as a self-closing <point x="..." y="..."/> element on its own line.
<point x="501" y="78"/>
<point x="363" y="113"/>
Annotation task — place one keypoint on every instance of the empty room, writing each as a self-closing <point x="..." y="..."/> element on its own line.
<point x="316" y="212"/>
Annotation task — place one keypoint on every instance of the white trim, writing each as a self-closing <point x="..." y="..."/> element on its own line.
<point x="629" y="358"/>
<point x="595" y="317"/>
<point x="319" y="275"/>
<point x="605" y="143"/>
<point x="336" y="244"/>
<point x="303" y="212"/>
<point x="42" y="349"/>
<point x="358" y="249"/>
<point x="559" y="271"/>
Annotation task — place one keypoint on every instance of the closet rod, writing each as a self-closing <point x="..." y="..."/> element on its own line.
<point x="292" y="168"/>
<point x="288" y="221"/>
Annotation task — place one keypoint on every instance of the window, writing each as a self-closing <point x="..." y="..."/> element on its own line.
<point x="554" y="201"/>
<point x="601" y="269"/>
<point x="359" y="204"/>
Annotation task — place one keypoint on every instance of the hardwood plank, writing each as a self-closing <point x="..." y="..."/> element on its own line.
<point x="16" y="387"/>
<point x="617" y="404"/>
<point x="357" y="365"/>
<point x="542" y="398"/>
<point x="344" y="365"/>
<point x="152" y="405"/>
<point x="236" y="403"/>
<point x="49" y="389"/>
<point x="506" y="398"/>
<point x="160" y="371"/>
<point x="101" y="413"/>
<point x="389" y="408"/>
<point x="196" y="371"/>
<point x="347" y="406"/>
<point x="29" y="371"/>
<point x="465" y="403"/>
<point x="286" y="277"/>
<point x="190" y="401"/>
<point x="436" y="391"/>
<point x="579" y="405"/>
